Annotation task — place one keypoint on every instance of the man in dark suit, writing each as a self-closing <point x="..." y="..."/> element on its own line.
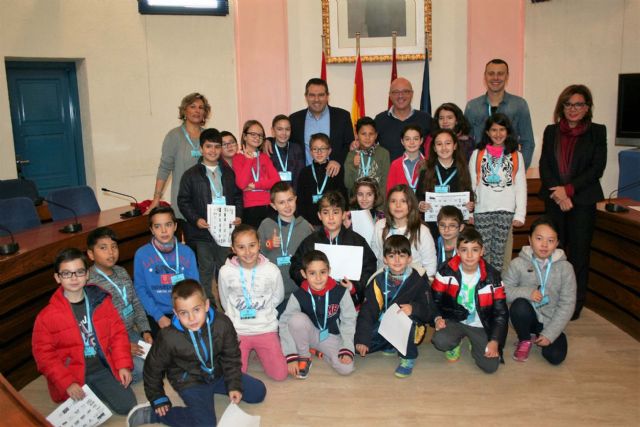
<point x="321" y="117"/>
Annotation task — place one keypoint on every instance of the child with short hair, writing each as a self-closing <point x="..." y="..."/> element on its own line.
<point x="250" y="290"/>
<point x="159" y="265"/>
<point x="229" y="147"/>
<point x="470" y="298"/>
<point x="281" y="235"/>
<point x="102" y="249"/>
<point x="314" y="182"/>
<point x="255" y="174"/>
<point x="450" y="224"/>
<point x="406" y="169"/>
<point x="541" y="286"/>
<point x="398" y="283"/>
<point x="200" y="357"/>
<point x="287" y="158"/>
<point x="79" y="338"/>
<point x="402" y="217"/>
<point x="366" y="196"/>
<point x="370" y="159"/>
<point x="498" y="178"/>
<point x="331" y="211"/>
<point x="210" y="182"/>
<point x="319" y="317"/>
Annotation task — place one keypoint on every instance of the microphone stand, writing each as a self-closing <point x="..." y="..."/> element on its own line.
<point x="128" y="214"/>
<point x="614" y="207"/>
<point x="9" y="248"/>
<point x="69" y="228"/>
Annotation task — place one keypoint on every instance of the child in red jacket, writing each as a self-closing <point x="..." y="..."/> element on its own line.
<point x="80" y="339"/>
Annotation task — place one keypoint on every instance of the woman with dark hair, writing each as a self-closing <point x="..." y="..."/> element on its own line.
<point x="574" y="155"/>
<point x="181" y="147"/>
<point x="450" y="116"/>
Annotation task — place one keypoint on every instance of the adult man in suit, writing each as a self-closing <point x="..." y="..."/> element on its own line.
<point x="321" y="117"/>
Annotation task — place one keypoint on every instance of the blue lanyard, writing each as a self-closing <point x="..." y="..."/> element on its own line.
<point x="122" y="292"/>
<point x="283" y="246"/>
<point x="186" y="135"/>
<point x="543" y="283"/>
<point x="413" y="182"/>
<point x="245" y="291"/>
<point x="330" y="240"/>
<point x="209" y="354"/>
<point x="88" y="309"/>
<point x="256" y="176"/>
<point x="214" y="192"/>
<point x="324" y="184"/>
<point x="386" y="287"/>
<point x="489" y="108"/>
<point x="367" y="168"/>
<point x="177" y="269"/>
<point x="286" y="160"/>
<point x="444" y="253"/>
<point x="326" y="309"/>
<point x="448" y="179"/>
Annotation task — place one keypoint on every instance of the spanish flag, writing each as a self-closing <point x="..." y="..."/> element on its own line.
<point x="323" y="67"/>
<point x="357" y="106"/>
<point x="394" y="73"/>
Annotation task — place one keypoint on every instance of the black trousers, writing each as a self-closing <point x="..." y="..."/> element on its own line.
<point x="524" y="321"/>
<point x="575" y="231"/>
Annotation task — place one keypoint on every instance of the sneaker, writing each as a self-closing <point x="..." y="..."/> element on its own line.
<point x="522" y="351"/>
<point x="140" y="414"/>
<point x="304" y="365"/>
<point x="453" y="355"/>
<point x="389" y="351"/>
<point x="405" y="368"/>
<point x="317" y="353"/>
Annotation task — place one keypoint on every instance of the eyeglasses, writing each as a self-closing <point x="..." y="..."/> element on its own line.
<point x="576" y="106"/>
<point x="319" y="150"/>
<point x="401" y="92"/>
<point x="448" y="227"/>
<point x="69" y="274"/>
<point x="228" y="144"/>
<point x="255" y="135"/>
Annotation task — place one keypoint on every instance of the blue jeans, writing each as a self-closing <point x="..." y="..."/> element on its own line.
<point x="199" y="409"/>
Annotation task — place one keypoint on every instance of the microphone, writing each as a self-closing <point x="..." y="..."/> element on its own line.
<point x="69" y="228"/>
<point x="8" y="248"/>
<point x="129" y="214"/>
<point x="614" y="207"/>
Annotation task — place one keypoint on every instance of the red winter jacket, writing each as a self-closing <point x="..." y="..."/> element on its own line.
<point x="57" y="345"/>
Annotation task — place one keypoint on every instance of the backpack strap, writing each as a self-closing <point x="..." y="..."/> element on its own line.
<point x="514" y="160"/>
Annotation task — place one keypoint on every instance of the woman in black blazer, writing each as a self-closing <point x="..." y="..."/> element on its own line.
<point x="574" y="155"/>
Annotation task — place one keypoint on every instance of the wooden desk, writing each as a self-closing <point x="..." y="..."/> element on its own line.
<point x="26" y="281"/>
<point x="614" y="273"/>
<point x="15" y="410"/>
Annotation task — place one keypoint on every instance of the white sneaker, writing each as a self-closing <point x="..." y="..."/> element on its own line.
<point x="140" y="414"/>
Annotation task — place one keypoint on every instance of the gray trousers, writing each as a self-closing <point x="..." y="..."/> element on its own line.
<point x="306" y="335"/>
<point x="448" y="338"/>
<point x="211" y="258"/>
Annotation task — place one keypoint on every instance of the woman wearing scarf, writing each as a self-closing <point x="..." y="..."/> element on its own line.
<point x="574" y="155"/>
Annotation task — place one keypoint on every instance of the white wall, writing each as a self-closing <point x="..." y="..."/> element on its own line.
<point x="447" y="68"/>
<point x="580" y="41"/>
<point x="133" y="70"/>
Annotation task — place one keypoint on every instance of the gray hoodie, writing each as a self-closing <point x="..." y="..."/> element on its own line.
<point x="521" y="280"/>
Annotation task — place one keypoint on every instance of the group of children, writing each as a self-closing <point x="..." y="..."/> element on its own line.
<point x="276" y="289"/>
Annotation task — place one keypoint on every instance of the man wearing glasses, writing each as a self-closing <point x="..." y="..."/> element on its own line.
<point x="497" y="100"/>
<point x="390" y="123"/>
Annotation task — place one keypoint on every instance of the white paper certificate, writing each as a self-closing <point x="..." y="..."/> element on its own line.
<point x="87" y="412"/>
<point x="345" y="260"/>
<point x="220" y="219"/>
<point x="395" y="327"/>
<point x="362" y="223"/>
<point x="438" y="200"/>
<point x="233" y="416"/>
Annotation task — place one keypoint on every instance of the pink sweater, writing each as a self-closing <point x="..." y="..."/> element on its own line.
<point x="268" y="176"/>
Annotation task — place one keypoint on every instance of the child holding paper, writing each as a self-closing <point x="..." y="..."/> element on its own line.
<point x="398" y="283"/>
<point x="319" y="315"/>
<point x="331" y="211"/>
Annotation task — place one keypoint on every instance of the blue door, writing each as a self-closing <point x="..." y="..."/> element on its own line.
<point x="45" y="115"/>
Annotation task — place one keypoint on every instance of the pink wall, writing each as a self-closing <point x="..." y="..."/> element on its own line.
<point x="262" y="66"/>
<point x="495" y="29"/>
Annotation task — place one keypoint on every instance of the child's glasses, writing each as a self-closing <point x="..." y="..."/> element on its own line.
<point x="69" y="274"/>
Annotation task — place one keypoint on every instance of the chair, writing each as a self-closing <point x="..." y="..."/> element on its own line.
<point x="11" y="188"/>
<point x="81" y="199"/>
<point x="17" y="214"/>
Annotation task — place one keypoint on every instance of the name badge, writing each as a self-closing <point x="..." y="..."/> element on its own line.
<point x="324" y="334"/>
<point x="128" y="310"/>
<point x="195" y="154"/>
<point x="316" y="197"/>
<point x="285" y="176"/>
<point x="177" y="278"/>
<point x="544" y="301"/>
<point x="89" y="352"/>
<point x="283" y="260"/>
<point x="442" y="189"/>
<point x="220" y="200"/>
<point x="248" y="313"/>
